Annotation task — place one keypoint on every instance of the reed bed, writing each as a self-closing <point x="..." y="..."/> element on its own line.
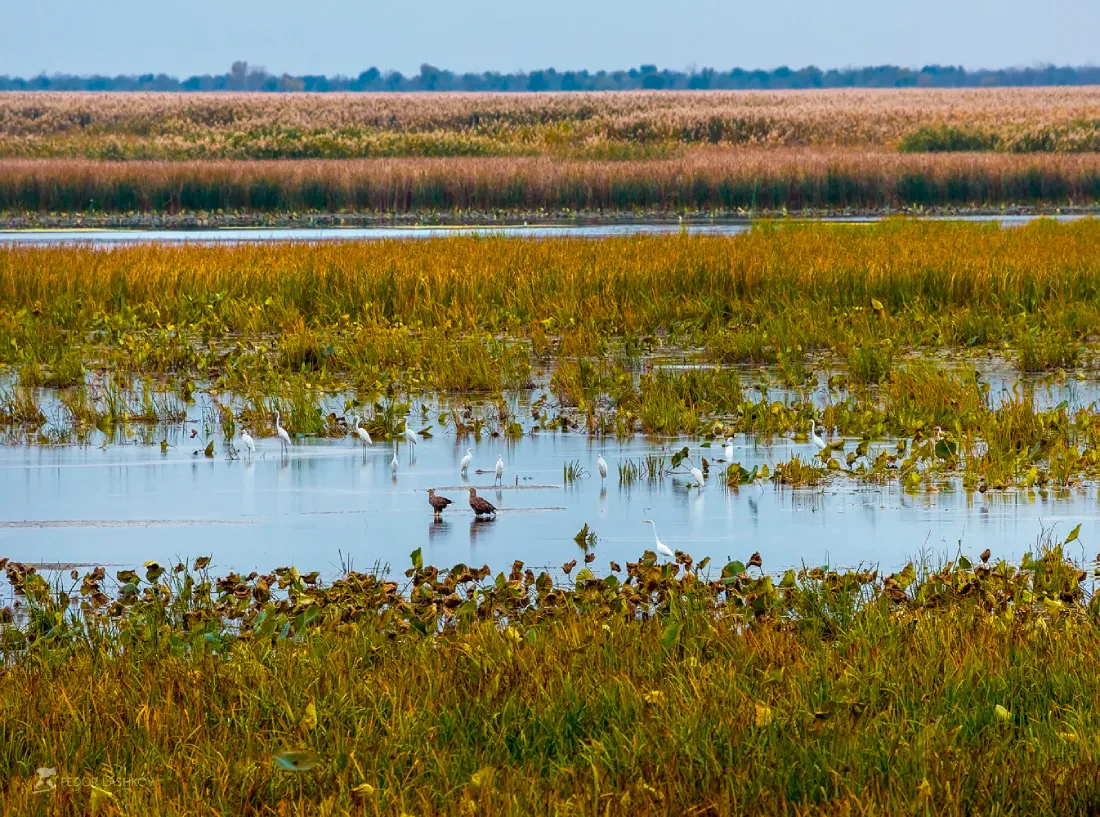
<point x="908" y="280"/>
<point x="659" y="689"/>
<point x="471" y="313"/>
<point x="258" y="126"/>
<point x="710" y="180"/>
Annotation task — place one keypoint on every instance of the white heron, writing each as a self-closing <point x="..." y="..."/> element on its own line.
<point x="362" y="432"/>
<point x="696" y="474"/>
<point x="284" y="438"/>
<point x="410" y="435"/>
<point x="601" y="463"/>
<point x="727" y="451"/>
<point x="393" y="463"/>
<point x="249" y="443"/>
<point x="500" y="468"/>
<point x="464" y="466"/>
<point x="662" y="548"/>
<point x="814" y="438"/>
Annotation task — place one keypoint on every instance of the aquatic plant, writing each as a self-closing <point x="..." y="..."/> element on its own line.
<point x="323" y="689"/>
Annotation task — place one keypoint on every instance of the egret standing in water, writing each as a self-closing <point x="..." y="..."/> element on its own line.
<point x="696" y="475"/>
<point x="393" y="463"/>
<point x="464" y="466"/>
<point x="284" y="438"/>
<point x="410" y="435"/>
<point x="500" y="468"/>
<point x="249" y="443"/>
<point x="601" y="463"/>
<point x="819" y="443"/>
<point x="727" y="451"/>
<point x="362" y="432"/>
<point x="662" y="548"/>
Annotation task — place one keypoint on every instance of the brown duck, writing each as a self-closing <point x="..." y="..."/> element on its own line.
<point x="482" y="507"/>
<point x="438" y="503"/>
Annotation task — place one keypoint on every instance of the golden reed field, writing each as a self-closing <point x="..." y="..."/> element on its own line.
<point x="633" y="151"/>
<point x="186" y="125"/>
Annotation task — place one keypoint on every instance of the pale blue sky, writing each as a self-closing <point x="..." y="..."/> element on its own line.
<point x="347" y="36"/>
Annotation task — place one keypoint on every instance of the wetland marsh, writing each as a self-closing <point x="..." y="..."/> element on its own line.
<point x="949" y="365"/>
<point x="911" y="482"/>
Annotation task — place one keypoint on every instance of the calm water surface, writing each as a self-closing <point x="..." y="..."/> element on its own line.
<point x="124" y="504"/>
<point x="113" y="237"/>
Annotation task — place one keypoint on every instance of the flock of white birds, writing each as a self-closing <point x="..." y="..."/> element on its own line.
<point x="464" y="465"/>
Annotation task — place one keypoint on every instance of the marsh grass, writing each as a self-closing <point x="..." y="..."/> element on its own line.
<point x="455" y="691"/>
<point x="700" y="182"/>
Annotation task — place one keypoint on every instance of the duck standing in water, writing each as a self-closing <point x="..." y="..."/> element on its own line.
<point x="482" y="507"/>
<point x="438" y="503"/>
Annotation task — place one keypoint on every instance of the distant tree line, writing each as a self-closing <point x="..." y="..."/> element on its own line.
<point x="242" y="77"/>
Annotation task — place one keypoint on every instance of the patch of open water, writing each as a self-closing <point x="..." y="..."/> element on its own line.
<point x="107" y="238"/>
<point x="124" y="504"/>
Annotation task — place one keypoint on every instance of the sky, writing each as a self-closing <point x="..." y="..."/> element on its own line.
<point x="348" y="36"/>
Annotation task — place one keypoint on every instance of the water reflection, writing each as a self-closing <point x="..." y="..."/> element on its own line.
<point x="322" y="496"/>
<point x="480" y="525"/>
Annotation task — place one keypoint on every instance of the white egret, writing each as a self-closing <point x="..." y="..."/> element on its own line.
<point x="249" y="443"/>
<point x="500" y="468"/>
<point x="464" y="466"/>
<point x="662" y="548"/>
<point x="284" y="438"/>
<point x="696" y="474"/>
<point x="601" y="463"/>
<point x="393" y="463"/>
<point x="362" y="432"/>
<point x="410" y="435"/>
<point x="814" y="438"/>
<point x="727" y="451"/>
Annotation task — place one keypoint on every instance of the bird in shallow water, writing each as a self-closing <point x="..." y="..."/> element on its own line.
<point x="482" y="507"/>
<point x="249" y="443"/>
<point x="410" y="435"/>
<point x="362" y="432"/>
<point x="465" y="464"/>
<point x="662" y="548"/>
<point x="602" y="464"/>
<point x="438" y="503"/>
<point x="500" y="469"/>
<point x="284" y="438"/>
<point x="696" y="475"/>
<point x="819" y="443"/>
<point x="393" y="463"/>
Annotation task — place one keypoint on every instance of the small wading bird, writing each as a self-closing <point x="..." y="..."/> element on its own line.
<point x="601" y="463"/>
<point x="284" y="438"/>
<point x="249" y="443"/>
<point x="465" y="464"/>
<point x="728" y="450"/>
<point x="482" y="507"/>
<point x="393" y="463"/>
<point x="362" y="432"/>
<point x="819" y="443"/>
<point x="438" y="503"/>
<point x="662" y="548"/>
<point x="500" y="469"/>
<point x="410" y="435"/>
<point x="696" y="475"/>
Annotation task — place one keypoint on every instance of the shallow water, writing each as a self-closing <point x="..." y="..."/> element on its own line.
<point x="124" y="504"/>
<point x="236" y="235"/>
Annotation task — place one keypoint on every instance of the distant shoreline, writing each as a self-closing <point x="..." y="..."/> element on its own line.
<point x="207" y="221"/>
